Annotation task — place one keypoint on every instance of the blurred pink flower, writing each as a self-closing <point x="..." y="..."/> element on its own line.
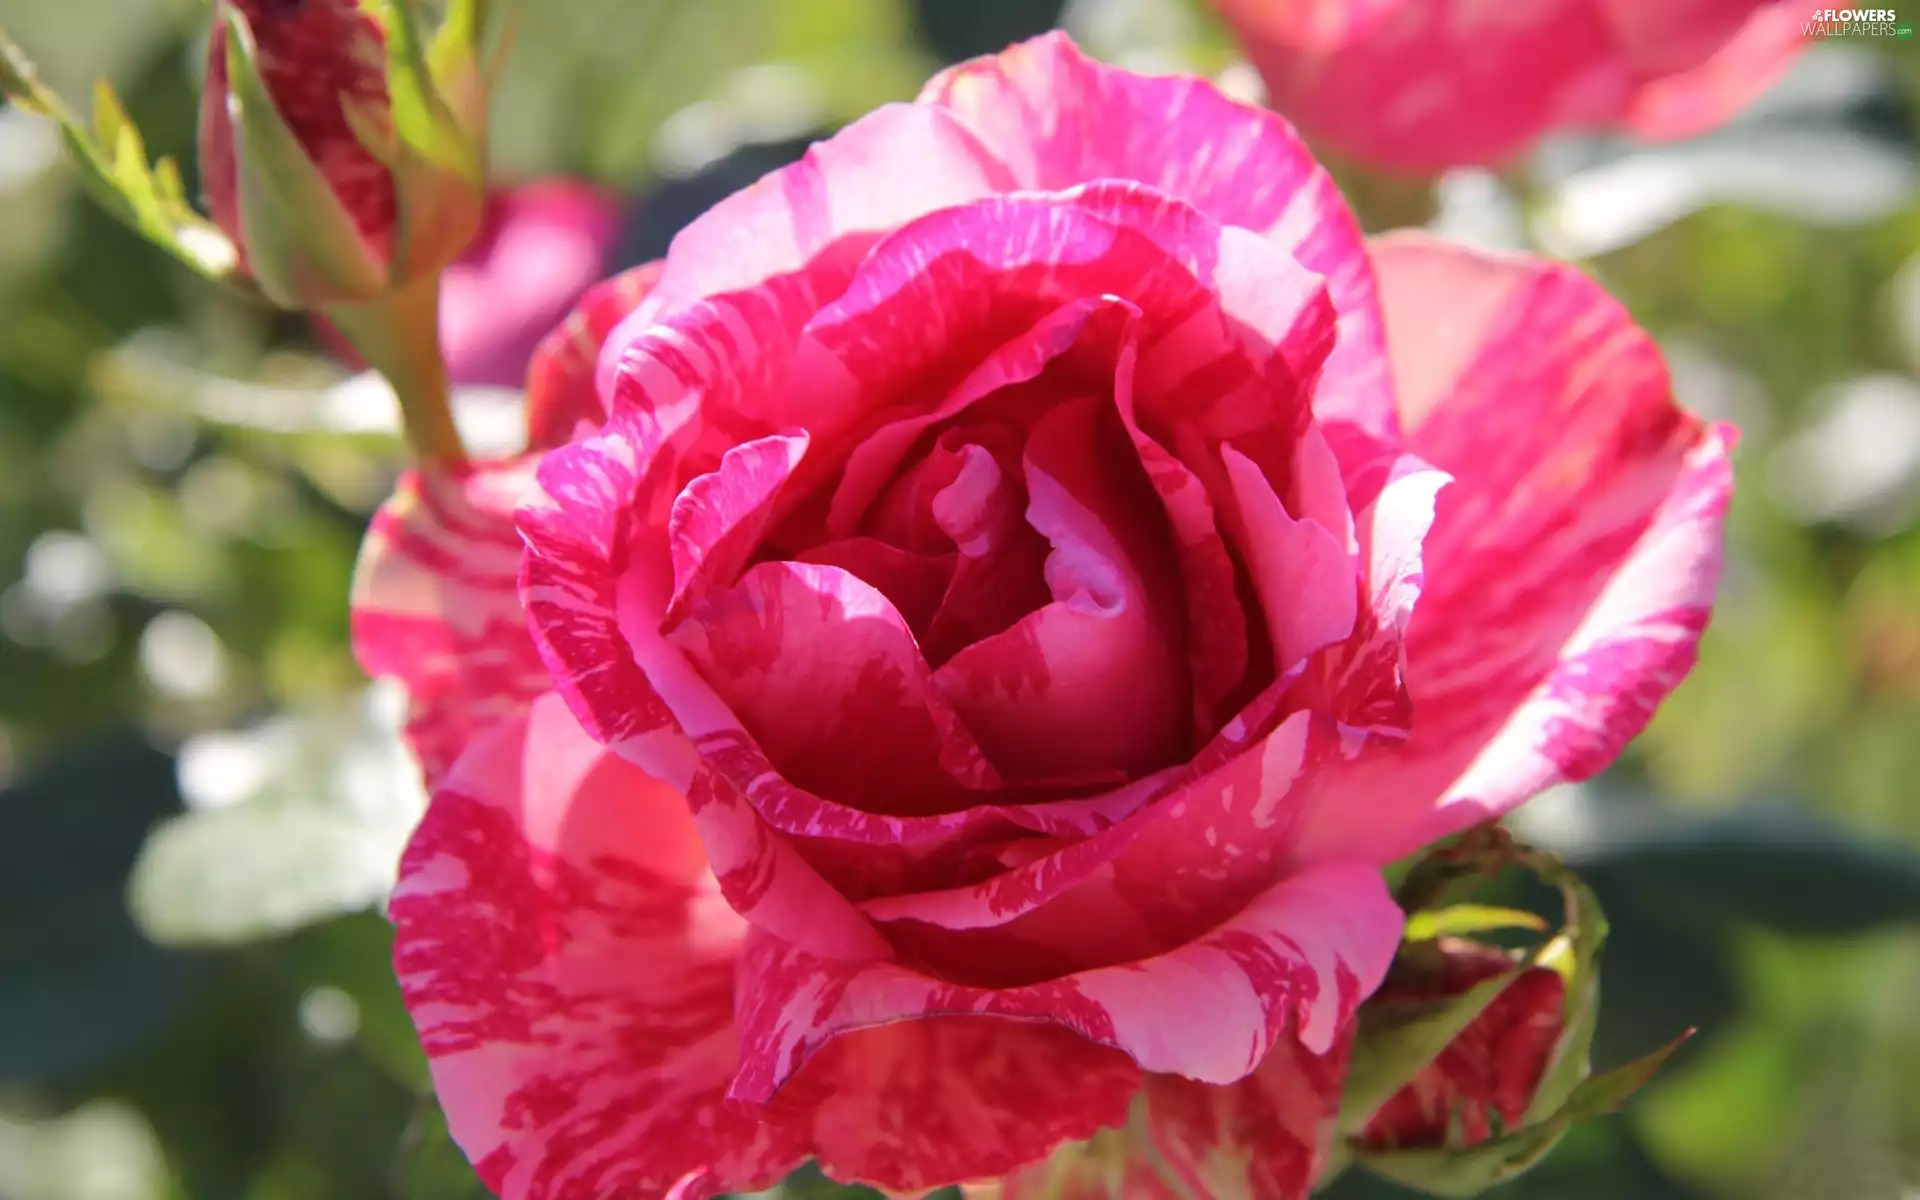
<point x="542" y="245"/>
<point x="1422" y="85"/>
<point x="971" y="626"/>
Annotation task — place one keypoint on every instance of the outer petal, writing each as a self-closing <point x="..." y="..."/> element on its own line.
<point x="571" y="967"/>
<point x="1294" y="963"/>
<point x="1573" y="563"/>
<point x="1200" y="843"/>
<point x="915" y="1105"/>
<point x="435" y="605"/>
<point x="1060" y="119"/>
<point x="560" y="393"/>
<point x="883" y="170"/>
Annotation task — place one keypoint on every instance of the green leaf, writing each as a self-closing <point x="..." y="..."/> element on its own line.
<point x="113" y="168"/>
<point x="1395" y="1042"/>
<point x="302" y="244"/>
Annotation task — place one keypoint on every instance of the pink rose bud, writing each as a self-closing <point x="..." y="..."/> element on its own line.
<point x="342" y="159"/>
<point x="1487" y="1077"/>
<point x="314" y="56"/>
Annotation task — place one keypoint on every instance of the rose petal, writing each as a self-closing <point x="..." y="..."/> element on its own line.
<point x="1091" y="325"/>
<point x="829" y="201"/>
<point x="1305" y="579"/>
<point x="571" y="967"/>
<point x="1362" y="683"/>
<point x="825" y="675"/>
<point x="912" y="583"/>
<point x="1573" y="562"/>
<point x="613" y="671"/>
<point x="561" y="398"/>
<point x="719" y="518"/>
<point x="437" y="606"/>
<point x="1488" y="1075"/>
<point x="595" y="585"/>
<point x="915" y="1105"/>
<point x="1294" y="963"/>
<point x="1000" y="574"/>
<point x="1059" y="119"/>
<point x="1202" y="841"/>
<point x="1443" y="84"/>
<point x="1094" y="680"/>
<point x="1217" y="632"/>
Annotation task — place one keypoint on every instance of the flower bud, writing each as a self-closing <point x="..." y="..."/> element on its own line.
<point x="1470" y="1062"/>
<point x="315" y="57"/>
<point x="1486" y="1078"/>
<point x="340" y="152"/>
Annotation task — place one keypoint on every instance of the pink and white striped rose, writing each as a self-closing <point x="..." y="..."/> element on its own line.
<point x="970" y="626"/>
<point x="1421" y="85"/>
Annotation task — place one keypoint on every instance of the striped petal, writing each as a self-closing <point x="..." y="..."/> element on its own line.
<point x="1572" y="563"/>
<point x="565" y="952"/>
<point x="436" y="605"/>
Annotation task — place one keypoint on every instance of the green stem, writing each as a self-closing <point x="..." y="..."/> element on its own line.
<point x="399" y="336"/>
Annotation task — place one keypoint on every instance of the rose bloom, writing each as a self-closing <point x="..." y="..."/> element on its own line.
<point x="969" y="628"/>
<point x="1421" y="85"/>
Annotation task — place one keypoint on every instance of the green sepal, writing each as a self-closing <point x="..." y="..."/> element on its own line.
<point x="1575" y="955"/>
<point x="112" y="160"/>
<point x="302" y="245"/>
<point x="464" y="65"/>
<point x="1470" y="1170"/>
<point x="1458" y="920"/>
<point x="436" y="156"/>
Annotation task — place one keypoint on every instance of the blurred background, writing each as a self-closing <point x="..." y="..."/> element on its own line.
<point x="203" y="801"/>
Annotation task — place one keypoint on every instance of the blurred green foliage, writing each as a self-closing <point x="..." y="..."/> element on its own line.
<point x="172" y="1024"/>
